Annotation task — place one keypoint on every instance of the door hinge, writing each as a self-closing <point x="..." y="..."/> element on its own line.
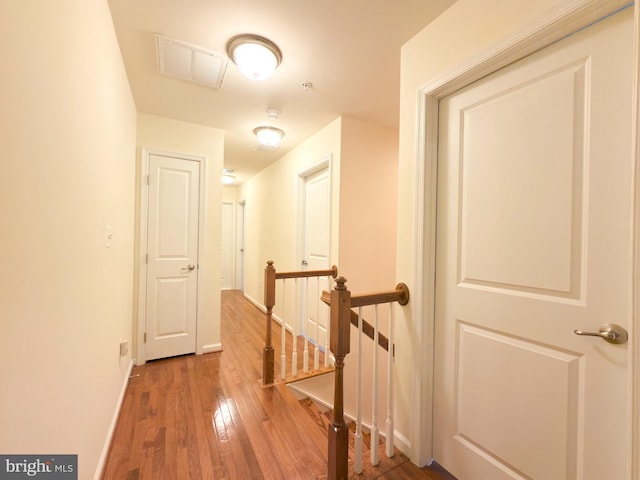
<point x="145" y="337"/>
<point x="146" y="259"/>
<point x="148" y="179"/>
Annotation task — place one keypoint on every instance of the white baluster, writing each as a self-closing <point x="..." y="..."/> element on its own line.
<point x="375" y="433"/>
<point x="326" y="336"/>
<point x="316" y="350"/>
<point x="305" y="328"/>
<point x="390" y="428"/>
<point x="283" y="332"/>
<point x="357" y="464"/>
<point x="294" y="330"/>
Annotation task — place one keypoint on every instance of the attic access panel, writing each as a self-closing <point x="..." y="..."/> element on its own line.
<point x="189" y="62"/>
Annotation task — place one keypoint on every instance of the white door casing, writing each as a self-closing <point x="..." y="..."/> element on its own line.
<point x="227" y="250"/>
<point x="315" y="207"/>
<point x="556" y="24"/>
<point x="171" y="212"/>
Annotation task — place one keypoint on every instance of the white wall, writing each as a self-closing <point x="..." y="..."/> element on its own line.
<point x="229" y="194"/>
<point x="367" y="245"/>
<point x="368" y="201"/>
<point x="461" y="32"/>
<point x="158" y="133"/>
<point x="68" y="126"/>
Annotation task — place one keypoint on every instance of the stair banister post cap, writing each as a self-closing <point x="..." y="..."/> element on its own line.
<point x="340" y="283"/>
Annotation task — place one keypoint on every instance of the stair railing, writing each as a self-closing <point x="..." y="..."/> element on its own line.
<point x="268" y="358"/>
<point x="341" y="302"/>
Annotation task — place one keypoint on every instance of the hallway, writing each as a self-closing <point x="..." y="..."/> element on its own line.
<point x="207" y="417"/>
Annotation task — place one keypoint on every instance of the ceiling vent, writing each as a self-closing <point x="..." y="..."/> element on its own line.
<point x="191" y="63"/>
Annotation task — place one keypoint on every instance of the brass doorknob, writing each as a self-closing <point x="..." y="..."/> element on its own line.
<point x="610" y="332"/>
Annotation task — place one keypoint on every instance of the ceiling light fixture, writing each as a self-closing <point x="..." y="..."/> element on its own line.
<point x="269" y="136"/>
<point x="256" y="57"/>
<point x="227" y="177"/>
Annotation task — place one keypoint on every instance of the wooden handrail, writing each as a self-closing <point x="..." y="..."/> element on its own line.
<point x="400" y="295"/>
<point x="333" y="272"/>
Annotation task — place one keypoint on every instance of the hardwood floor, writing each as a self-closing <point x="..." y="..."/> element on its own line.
<point x="207" y="417"/>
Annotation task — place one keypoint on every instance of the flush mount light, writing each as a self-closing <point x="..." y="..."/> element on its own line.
<point x="256" y="57"/>
<point x="228" y="178"/>
<point x="269" y="136"/>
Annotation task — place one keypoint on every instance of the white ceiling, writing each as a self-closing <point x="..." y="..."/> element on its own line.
<point x="348" y="49"/>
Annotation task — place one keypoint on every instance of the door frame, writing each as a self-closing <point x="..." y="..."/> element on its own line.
<point x="302" y="175"/>
<point x="143" y="217"/>
<point x="240" y="233"/>
<point x="557" y="23"/>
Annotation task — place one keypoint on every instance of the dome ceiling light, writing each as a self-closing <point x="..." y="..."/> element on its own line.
<point x="269" y="136"/>
<point x="228" y="178"/>
<point x="256" y="57"/>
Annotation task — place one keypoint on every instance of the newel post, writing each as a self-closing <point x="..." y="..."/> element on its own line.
<point x="339" y="345"/>
<point x="268" y="366"/>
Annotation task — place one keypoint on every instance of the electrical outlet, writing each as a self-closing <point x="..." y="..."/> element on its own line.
<point x="124" y="348"/>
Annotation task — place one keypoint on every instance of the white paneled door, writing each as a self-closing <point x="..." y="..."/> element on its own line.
<point x="227" y="248"/>
<point x="172" y="248"/>
<point x="316" y="251"/>
<point x="534" y="237"/>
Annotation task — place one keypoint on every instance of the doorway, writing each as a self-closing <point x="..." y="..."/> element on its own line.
<point x="171" y="213"/>
<point x="227" y="249"/>
<point x="314" y="246"/>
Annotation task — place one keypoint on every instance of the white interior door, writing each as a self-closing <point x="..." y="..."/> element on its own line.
<point x="227" y="249"/>
<point x="172" y="249"/>
<point x="533" y="242"/>
<point x="316" y="251"/>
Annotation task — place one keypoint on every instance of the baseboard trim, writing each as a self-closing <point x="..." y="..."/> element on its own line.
<point x="263" y="309"/>
<point x="112" y="426"/>
<point x="213" y="347"/>
<point x="255" y="302"/>
<point x="402" y="443"/>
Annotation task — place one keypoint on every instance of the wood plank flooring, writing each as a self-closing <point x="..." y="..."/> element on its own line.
<point x="207" y="417"/>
